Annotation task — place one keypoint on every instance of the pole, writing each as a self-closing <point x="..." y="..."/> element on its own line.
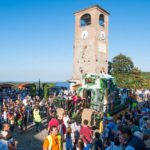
<point x="39" y="88"/>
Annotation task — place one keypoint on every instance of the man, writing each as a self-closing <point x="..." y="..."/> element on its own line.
<point x="130" y="141"/>
<point x="97" y="142"/>
<point x="3" y="145"/>
<point x="132" y="125"/>
<point x="53" y="141"/>
<point x="37" y="118"/>
<point x="146" y="133"/>
<point x="86" y="135"/>
<point x="6" y="138"/>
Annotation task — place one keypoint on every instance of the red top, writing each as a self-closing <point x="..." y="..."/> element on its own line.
<point x="86" y="132"/>
<point x="75" y="98"/>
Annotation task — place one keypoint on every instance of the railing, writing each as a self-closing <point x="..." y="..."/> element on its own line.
<point x="66" y="104"/>
<point x="111" y="108"/>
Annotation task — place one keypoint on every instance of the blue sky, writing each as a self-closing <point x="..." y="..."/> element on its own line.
<point x="36" y="36"/>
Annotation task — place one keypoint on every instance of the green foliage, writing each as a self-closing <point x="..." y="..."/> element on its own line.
<point x="109" y="67"/>
<point x="103" y="84"/>
<point x="146" y="75"/>
<point x="122" y="64"/>
<point x="126" y="75"/>
<point x="130" y="81"/>
<point x="146" y="83"/>
<point x="33" y="90"/>
<point x="46" y="88"/>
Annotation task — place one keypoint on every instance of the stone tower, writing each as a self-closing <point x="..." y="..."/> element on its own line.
<point x="91" y="42"/>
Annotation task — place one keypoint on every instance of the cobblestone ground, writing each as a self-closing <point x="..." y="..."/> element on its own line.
<point x="30" y="139"/>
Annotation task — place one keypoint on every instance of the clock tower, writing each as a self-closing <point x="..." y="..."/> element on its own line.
<point x="91" y="42"/>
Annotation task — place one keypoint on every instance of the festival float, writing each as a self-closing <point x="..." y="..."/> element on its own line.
<point x="96" y="87"/>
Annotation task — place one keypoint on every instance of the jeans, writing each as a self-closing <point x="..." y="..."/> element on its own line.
<point x="0" y="124"/>
<point x="37" y="125"/>
<point x="88" y="146"/>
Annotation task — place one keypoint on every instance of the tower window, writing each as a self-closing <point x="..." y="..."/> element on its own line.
<point x="101" y="20"/>
<point x="85" y="20"/>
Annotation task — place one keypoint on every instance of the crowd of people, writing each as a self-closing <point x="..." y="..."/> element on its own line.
<point x="127" y="131"/>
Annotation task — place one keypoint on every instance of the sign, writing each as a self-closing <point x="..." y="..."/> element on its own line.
<point x="90" y="80"/>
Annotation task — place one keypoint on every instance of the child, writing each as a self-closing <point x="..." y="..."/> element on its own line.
<point x="80" y="145"/>
<point x="97" y="142"/>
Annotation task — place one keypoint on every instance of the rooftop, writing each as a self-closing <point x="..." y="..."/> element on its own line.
<point x="93" y="7"/>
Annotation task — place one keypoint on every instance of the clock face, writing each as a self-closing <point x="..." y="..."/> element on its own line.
<point x="102" y="35"/>
<point x="84" y="35"/>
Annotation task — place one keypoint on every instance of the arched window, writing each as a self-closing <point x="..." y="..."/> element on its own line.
<point x="101" y="20"/>
<point x="85" y="20"/>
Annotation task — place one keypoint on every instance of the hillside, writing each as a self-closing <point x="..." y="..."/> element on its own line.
<point x="146" y="75"/>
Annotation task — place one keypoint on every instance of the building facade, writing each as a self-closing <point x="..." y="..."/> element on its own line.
<point x="90" y="42"/>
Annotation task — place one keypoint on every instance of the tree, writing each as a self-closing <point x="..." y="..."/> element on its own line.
<point x="137" y="80"/>
<point x="147" y="83"/>
<point x="46" y="88"/>
<point x="121" y="64"/>
<point x="109" y="67"/>
<point x="126" y="75"/>
<point x="33" y="90"/>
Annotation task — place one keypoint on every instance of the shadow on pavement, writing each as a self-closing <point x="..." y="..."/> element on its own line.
<point x="30" y="139"/>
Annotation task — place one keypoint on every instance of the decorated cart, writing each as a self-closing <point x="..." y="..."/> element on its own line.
<point x="96" y="87"/>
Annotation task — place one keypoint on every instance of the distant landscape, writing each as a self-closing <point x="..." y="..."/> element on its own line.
<point x="146" y="75"/>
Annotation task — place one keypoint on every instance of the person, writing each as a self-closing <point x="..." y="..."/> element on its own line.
<point x="11" y="121"/>
<point x="50" y="111"/>
<point x="130" y="141"/>
<point x="80" y="145"/>
<point x="106" y="143"/>
<point x="114" y="145"/>
<point x="37" y="118"/>
<point x="132" y="125"/>
<point x="53" y="141"/>
<point x="146" y="134"/>
<point x="75" y="127"/>
<point x="69" y="145"/>
<point x="7" y="138"/>
<point x="3" y="145"/>
<point x="97" y="142"/>
<point x="75" y="99"/>
<point x="5" y="130"/>
<point x="62" y="129"/>
<point x="19" y="119"/>
<point x="66" y="119"/>
<point x="53" y="122"/>
<point x="5" y="114"/>
<point x="86" y="135"/>
<point x="24" y="117"/>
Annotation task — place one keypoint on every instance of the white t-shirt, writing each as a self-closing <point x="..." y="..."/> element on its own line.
<point x="4" y="133"/>
<point x="65" y="120"/>
<point x="25" y="102"/>
<point x="5" y="114"/>
<point x="74" y="127"/>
